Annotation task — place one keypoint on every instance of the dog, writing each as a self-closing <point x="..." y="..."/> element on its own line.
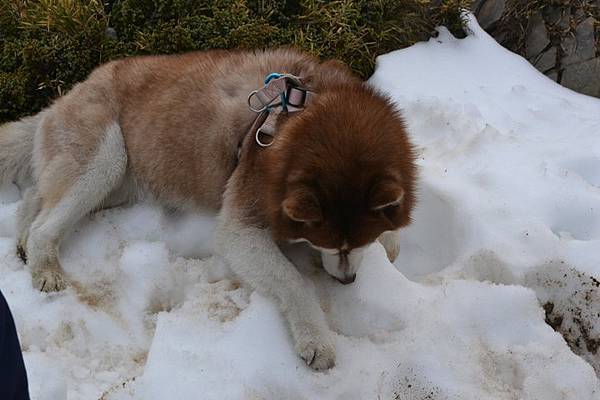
<point x="311" y="154"/>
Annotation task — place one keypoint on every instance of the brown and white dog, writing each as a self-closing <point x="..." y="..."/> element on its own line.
<point x="339" y="174"/>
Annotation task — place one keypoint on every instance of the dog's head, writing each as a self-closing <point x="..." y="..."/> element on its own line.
<point x="341" y="173"/>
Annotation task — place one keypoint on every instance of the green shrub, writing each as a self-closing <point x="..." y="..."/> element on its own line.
<point x="46" y="46"/>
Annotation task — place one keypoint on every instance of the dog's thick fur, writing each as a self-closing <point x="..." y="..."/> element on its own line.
<point x="339" y="174"/>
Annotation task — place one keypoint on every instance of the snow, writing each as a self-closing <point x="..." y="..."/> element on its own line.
<point x="507" y="226"/>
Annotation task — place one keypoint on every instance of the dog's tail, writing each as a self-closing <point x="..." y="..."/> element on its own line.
<point x="16" y="149"/>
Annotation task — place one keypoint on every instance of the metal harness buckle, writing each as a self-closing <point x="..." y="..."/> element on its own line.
<point x="292" y="98"/>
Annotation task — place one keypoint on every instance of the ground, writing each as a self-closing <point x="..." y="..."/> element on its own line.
<point x="495" y="294"/>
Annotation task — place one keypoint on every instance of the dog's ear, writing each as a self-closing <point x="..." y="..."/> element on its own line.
<point x="302" y="205"/>
<point x="386" y="193"/>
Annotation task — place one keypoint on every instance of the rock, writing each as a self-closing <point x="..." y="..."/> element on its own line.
<point x="552" y="15"/>
<point x="547" y="60"/>
<point x="564" y="22"/>
<point x="501" y="37"/>
<point x="489" y="12"/>
<point x="557" y="17"/>
<point x="583" y="46"/>
<point x="585" y="34"/>
<point x="475" y="4"/>
<point x="537" y="36"/>
<point x="560" y="38"/>
<point x="583" y="77"/>
<point x="569" y="47"/>
<point x="111" y="33"/>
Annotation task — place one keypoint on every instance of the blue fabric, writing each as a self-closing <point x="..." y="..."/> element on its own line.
<point x="269" y="78"/>
<point x="13" y="378"/>
<point x="272" y="75"/>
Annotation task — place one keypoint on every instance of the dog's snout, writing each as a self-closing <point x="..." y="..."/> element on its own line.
<point x="347" y="279"/>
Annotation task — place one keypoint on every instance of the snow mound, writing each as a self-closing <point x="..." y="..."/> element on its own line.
<point x="503" y="250"/>
<point x="514" y="158"/>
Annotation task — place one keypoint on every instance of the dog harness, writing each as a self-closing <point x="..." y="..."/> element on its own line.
<point x="282" y="93"/>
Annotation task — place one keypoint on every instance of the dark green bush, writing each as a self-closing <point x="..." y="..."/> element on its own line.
<point x="48" y="45"/>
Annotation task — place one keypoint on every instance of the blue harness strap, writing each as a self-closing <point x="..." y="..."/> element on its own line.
<point x="283" y="97"/>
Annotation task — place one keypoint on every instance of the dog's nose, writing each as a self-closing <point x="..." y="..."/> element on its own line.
<point x="347" y="279"/>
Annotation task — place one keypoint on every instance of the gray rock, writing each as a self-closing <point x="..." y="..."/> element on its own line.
<point x="583" y="46"/>
<point x="585" y="36"/>
<point x="553" y="75"/>
<point x="489" y="12"/>
<point x="501" y="37"/>
<point x="475" y="4"/>
<point x="537" y="36"/>
<point x="583" y="77"/>
<point x="564" y="23"/>
<point x="568" y="45"/>
<point x="111" y="33"/>
<point x="547" y="60"/>
<point x="552" y="15"/>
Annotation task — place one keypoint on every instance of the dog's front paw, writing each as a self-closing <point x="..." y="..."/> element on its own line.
<point x="48" y="280"/>
<point x="318" y="353"/>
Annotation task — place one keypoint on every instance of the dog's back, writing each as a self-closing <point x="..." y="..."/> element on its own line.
<point x="182" y="117"/>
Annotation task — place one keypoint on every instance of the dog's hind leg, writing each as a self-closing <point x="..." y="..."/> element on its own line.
<point x="26" y="214"/>
<point x="68" y="192"/>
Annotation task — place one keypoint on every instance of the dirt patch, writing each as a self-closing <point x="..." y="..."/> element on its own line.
<point x="125" y="386"/>
<point x="584" y="334"/>
<point x="571" y="301"/>
<point x="412" y="386"/>
<point x="99" y="295"/>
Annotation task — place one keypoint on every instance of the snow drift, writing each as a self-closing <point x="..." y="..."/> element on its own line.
<point x="504" y="247"/>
